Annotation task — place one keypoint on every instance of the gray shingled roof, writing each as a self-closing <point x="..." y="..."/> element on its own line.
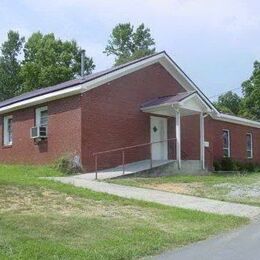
<point x="167" y="99"/>
<point x="68" y="84"/>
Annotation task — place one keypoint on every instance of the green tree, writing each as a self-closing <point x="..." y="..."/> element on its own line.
<point x="49" y="61"/>
<point x="10" y="80"/>
<point x="126" y="44"/>
<point x="229" y="103"/>
<point x="251" y="91"/>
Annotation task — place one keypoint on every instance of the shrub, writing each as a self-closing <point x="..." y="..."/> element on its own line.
<point x="217" y="165"/>
<point x="239" y="166"/>
<point x="249" y="167"/>
<point x="69" y="164"/>
<point x="227" y="164"/>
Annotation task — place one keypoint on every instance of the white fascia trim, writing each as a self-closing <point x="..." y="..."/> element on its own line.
<point x="42" y="99"/>
<point x="236" y="120"/>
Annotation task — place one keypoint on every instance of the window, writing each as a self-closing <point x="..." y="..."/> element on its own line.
<point x="8" y="131"/>
<point x="41" y="116"/>
<point x="226" y="143"/>
<point x="249" y="145"/>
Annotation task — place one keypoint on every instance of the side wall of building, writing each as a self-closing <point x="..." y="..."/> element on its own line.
<point x="64" y="133"/>
<point x="111" y="116"/>
<point x="214" y="134"/>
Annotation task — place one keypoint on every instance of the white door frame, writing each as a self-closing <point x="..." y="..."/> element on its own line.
<point x="159" y="150"/>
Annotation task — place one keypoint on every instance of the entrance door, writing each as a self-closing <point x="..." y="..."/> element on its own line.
<point x="158" y="130"/>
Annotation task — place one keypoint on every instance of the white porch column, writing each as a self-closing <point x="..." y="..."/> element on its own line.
<point x="178" y="137"/>
<point x="202" y="139"/>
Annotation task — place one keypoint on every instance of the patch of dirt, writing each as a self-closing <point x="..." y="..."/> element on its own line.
<point x="183" y="188"/>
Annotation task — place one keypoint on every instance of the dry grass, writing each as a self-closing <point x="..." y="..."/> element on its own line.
<point x="183" y="188"/>
<point x="44" y="201"/>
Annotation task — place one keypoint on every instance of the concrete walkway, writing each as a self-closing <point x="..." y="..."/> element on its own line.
<point x="165" y="198"/>
<point x="242" y="244"/>
<point x="130" y="168"/>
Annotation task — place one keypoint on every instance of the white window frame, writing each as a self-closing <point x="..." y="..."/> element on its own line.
<point x="252" y="149"/>
<point x="229" y="143"/>
<point x="38" y="115"/>
<point x="6" y="136"/>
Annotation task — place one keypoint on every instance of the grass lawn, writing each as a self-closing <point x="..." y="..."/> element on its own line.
<point x="41" y="219"/>
<point x="240" y="188"/>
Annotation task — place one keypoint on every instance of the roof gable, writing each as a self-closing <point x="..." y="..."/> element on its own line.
<point x="78" y="86"/>
<point x="97" y="79"/>
<point x="160" y="101"/>
<point x="187" y="103"/>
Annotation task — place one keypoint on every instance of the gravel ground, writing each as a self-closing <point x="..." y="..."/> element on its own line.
<point x="238" y="191"/>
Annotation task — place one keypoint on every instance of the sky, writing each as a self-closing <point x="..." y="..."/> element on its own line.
<point x="214" y="41"/>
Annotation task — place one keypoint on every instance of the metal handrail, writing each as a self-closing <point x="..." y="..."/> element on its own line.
<point x="123" y="149"/>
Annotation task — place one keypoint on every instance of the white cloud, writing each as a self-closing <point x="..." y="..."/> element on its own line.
<point x="214" y="13"/>
<point x="164" y="17"/>
<point x="215" y="41"/>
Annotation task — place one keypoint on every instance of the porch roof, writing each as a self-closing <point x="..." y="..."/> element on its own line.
<point x="187" y="103"/>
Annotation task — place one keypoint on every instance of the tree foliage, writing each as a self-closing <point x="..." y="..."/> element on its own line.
<point x="229" y="103"/>
<point x="10" y="80"/>
<point x="248" y="105"/>
<point x="127" y="44"/>
<point x="251" y="92"/>
<point x="46" y="61"/>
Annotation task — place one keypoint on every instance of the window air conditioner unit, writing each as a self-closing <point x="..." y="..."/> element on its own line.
<point x="39" y="132"/>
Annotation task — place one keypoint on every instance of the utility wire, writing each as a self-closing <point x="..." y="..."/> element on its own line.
<point x="224" y="92"/>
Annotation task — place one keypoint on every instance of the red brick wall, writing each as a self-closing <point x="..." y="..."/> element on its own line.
<point x="111" y="116"/>
<point x="213" y="133"/>
<point x="190" y="137"/>
<point x="238" y="133"/>
<point x="64" y="135"/>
